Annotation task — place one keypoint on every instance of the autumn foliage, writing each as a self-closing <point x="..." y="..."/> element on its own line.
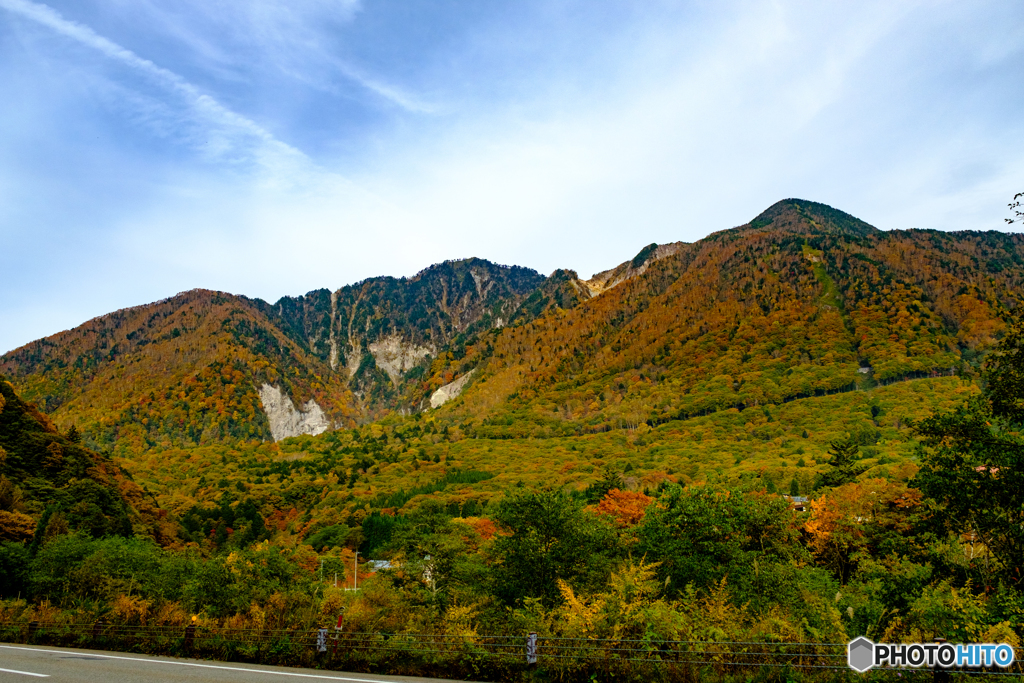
<point x="628" y="460"/>
<point x="626" y="508"/>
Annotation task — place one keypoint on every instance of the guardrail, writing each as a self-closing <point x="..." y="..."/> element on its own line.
<point x="497" y="657"/>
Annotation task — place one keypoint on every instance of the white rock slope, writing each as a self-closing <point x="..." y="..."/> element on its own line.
<point x="450" y="390"/>
<point x="394" y="355"/>
<point x="285" y="420"/>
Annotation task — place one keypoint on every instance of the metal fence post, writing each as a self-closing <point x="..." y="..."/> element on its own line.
<point x="321" y="640"/>
<point x="96" y="628"/>
<point x="531" y="648"/>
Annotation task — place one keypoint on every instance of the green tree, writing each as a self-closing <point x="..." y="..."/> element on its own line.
<point x="14" y="569"/>
<point x="330" y="537"/>
<point x="213" y="588"/>
<point x="40" y="533"/>
<point x="610" y="479"/>
<point x="974" y="467"/>
<point x="73" y="435"/>
<point x="842" y="466"/>
<point x="435" y="557"/>
<point x="549" y="537"/>
<point x="378" y="531"/>
<point x="700" y="535"/>
<point x="77" y="566"/>
<point x="972" y="459"/>
<point x="1004" y="372"/>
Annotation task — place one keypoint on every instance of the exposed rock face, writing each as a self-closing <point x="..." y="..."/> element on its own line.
<point x="450" y="390"/>
<point x="333" y="341"/>
<point x="482" y="281"/>
<point x="285" y="420"/>
<point x="351" y="360"/>
<point x="603" y="281"/>
<point x="394" y="356"/>
<point x="397" y="322"/>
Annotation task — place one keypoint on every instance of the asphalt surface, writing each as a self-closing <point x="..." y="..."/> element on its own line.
<point x="27" y="663"/>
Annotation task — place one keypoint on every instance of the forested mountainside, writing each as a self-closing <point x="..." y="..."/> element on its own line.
<point x="805" y="300"/>
<point x="204" y="366"/>
<point x="185" y="370"/>
<point x="739" y="359"/>
<point x="51" y="485"/>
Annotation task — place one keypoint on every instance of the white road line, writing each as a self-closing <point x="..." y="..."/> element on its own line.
<point x="201" y="666"/>
<point x="24" y="673"/>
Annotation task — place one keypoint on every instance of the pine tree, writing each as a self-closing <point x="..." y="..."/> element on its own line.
<point x="842" y="467"/>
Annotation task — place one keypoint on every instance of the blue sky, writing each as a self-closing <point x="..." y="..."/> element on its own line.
<point x="149" y="147"/>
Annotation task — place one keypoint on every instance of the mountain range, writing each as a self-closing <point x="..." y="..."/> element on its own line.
<point x="802" y="301"/>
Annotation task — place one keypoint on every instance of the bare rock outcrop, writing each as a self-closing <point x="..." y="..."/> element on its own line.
<point x="605" y="280"/>
<point x="394" y="355"/>
<point x="285" y="420"/>
<point x="450" y="390"/>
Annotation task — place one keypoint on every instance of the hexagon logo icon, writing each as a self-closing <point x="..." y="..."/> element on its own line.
<point x="860" y="654"/>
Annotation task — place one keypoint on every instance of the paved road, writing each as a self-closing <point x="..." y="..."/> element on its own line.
<point x="26" y="663"/>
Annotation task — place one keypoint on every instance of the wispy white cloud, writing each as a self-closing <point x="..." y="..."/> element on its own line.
<point x="234" y="130"/>
<point x="388" y="92"/>
<point x="292" y="38"/>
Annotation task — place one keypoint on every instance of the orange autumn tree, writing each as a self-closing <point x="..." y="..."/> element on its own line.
<point x="625" y="508"/>
<point x="858" y="519"/>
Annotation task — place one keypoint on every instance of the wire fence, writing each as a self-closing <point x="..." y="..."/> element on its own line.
<point x="491" y="657"/>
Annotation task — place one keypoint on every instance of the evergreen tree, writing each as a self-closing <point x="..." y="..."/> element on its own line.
<point x="599" y="489"/>
<point x="842" y="467"/>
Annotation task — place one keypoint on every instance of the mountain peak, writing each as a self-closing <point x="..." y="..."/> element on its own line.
<point x="821" y="217"/>
<point x="465" y="265"/>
